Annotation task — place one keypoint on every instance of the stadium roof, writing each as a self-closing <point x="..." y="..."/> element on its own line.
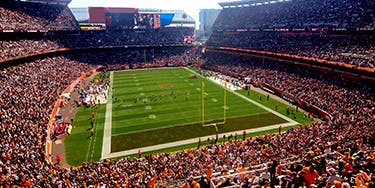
<point x="81" y="14"/>
<point x="248" y="3"/>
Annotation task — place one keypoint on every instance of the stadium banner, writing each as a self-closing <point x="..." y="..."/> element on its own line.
<point x="241" y="30"/>
<point x="281" y="29"/>
<point x="299" y="29"/>
<point x="8" y="31"/>
<point x="268" y="90"/>
<point x="288" y="97"/>
<point x="272" y="89"/>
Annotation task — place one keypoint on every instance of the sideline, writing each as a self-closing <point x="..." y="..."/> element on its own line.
<point x="194" y="140"/>
<point x="107" y="133"/>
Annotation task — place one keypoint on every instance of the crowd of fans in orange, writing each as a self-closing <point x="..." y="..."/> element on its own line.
<point x="349" y="133"/>
<point x="339" y="152"/>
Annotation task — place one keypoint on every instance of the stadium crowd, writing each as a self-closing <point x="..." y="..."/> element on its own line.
<point x="339" y="152"/>
<point x="17" y="47"/>
<point x="297" y="14"/>
<point x="271" y="27"/>
<point x="18" y="15"/>
<point x="28" y="92"/>
<point x="23" y="126"/>
<point x="358" y="50"/>
<point x="162" y="36"/>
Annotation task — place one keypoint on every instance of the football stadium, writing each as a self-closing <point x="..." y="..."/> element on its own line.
<point x="259" y="93"/>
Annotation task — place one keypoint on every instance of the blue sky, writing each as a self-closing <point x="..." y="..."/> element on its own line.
<point x="189" y="6"/>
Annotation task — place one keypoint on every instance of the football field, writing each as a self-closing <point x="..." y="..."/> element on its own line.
<point x="157" y="107"/>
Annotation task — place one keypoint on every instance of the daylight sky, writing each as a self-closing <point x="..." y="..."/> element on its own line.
<point x="191" y="7"/>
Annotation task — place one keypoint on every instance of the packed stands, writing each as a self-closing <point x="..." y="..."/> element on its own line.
<point x="15" y="46"/>
<point x="337" y="151"/>
<point x="329" y="30"/>
<point x="355" y="50"/>
<point x="21" y="47"/>
<point x="162" y="36"/>
<point x="27" y="16"/>
<point x="27" y="119"/>
<point x="25" y="25"/>
<point x="296" y="14"/>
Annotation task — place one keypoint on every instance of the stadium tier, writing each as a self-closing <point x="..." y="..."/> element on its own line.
<point x="336" y="149"/>
<point x="350" y="49"/>
<point x="296" y="14"/>
<point x="15" y="46"/>
<point x="28" y="16"/>
<point x="351" y="105"/>
<point x="329" y="30"/>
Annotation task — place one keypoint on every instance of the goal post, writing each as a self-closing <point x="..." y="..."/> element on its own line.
<point x="224" y="108"/>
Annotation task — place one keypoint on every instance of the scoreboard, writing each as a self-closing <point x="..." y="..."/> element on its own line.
<point x="132" y="21"/>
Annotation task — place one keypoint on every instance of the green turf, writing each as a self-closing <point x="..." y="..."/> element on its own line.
<point x="170" y="134"/>
<point x="161" y="119"/>
<point x="78" y="148"/>
<point x="271" y="103"/>
<point x="149" y="100"/>
<point x="205" y="143"/>
<point x="159" y="107"/>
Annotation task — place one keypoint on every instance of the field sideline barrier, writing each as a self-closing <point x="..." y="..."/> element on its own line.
<point x="56" y="109"/>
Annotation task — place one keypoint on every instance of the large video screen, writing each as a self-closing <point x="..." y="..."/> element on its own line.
<point x="119" y="21"/>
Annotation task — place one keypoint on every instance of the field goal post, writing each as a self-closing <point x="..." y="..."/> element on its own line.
<point x="224" y="107"/>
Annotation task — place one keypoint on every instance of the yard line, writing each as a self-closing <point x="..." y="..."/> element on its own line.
<point x="106" y="149"/>
<point x="147" y="69"/>
<point x="190" y="123"/>
<point x="234" y="113"/>
<point x="107" y="134"/>
<point x="96" y="127"/>
<point x="194" y="140"/>
<point x="250" y="100"/>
